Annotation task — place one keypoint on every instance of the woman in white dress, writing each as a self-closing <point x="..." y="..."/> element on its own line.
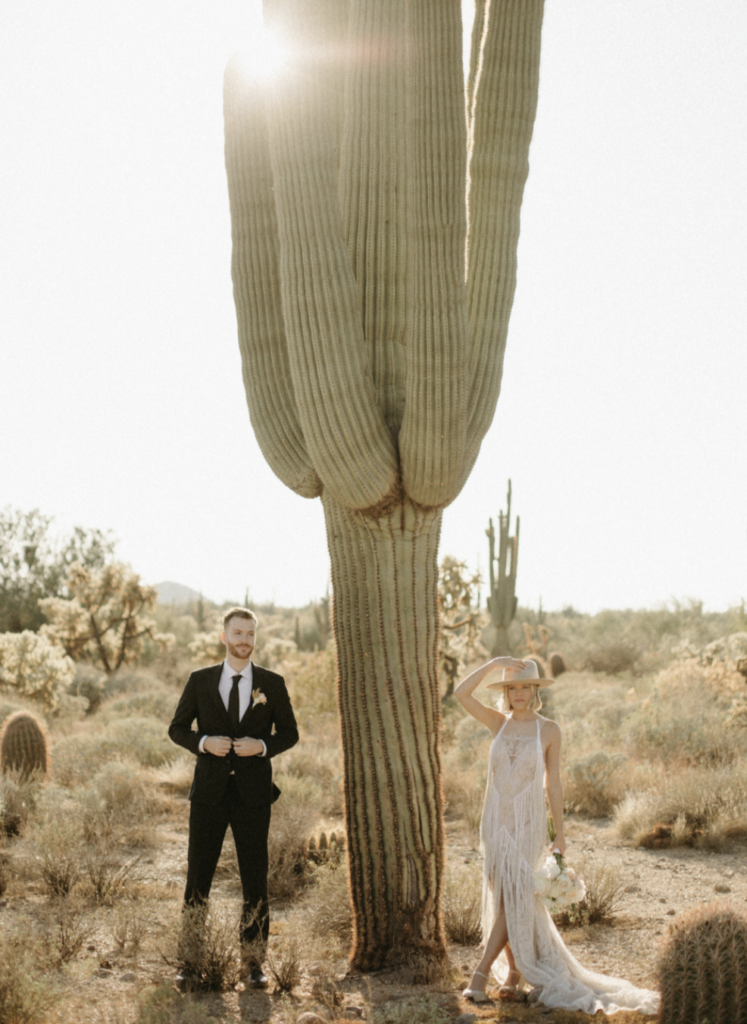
<point x="521" y="942"/>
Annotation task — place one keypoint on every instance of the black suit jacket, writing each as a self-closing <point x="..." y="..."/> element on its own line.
<point x="271" y="720"/>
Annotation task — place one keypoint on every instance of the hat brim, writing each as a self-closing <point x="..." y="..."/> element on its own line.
<point x="532" y="682"/>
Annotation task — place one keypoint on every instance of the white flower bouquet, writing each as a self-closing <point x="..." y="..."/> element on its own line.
<point x="557" y="885"/>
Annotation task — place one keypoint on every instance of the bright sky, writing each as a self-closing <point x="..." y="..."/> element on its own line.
<point x="622" y="417"/>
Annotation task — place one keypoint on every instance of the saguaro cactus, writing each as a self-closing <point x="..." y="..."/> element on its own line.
<point x="23" y="745"/>
<point x="374" y="230"/>
<point x="502" y="601"/>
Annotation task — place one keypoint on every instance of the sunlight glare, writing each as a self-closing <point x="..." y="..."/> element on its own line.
<point x="269" y="58"/>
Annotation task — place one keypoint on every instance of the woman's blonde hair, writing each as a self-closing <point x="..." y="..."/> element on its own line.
<point x="504" y="704"/>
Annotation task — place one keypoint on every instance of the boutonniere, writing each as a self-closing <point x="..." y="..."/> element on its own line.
<point x="258" y="697"/>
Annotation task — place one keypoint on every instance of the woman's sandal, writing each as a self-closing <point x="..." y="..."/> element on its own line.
<point x="512" y="993"/>
<point x="476" y="994"/>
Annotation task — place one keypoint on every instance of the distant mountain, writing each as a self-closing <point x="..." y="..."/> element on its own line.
<point x="177" y="593"/>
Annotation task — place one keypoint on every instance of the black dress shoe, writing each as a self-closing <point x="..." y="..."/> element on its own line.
<point x="186" y="981"/>
<point x="257" y="979"/>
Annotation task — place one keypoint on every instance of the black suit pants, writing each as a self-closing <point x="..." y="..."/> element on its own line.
<point x="250" y="827"/>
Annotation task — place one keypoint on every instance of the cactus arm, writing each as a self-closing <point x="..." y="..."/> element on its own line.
<point x="433" y="433"/>
<point x="254" y="265"/>
<point x="345" y="431"/>
<point x="504" y="104"/>
<point x="373" y="193"/>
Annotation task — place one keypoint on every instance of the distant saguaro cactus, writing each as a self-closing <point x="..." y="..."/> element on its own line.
<point x="502" y="602"/>
<point x="702" y="969"/>
<point x="373" y="281"/>
<point x="23" y="745"/>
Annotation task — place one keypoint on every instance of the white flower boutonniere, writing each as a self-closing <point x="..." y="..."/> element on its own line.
<point x="258" y="697"/>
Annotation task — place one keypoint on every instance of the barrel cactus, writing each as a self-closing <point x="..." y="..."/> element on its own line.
<point x="375" y="223"/>
<point x="24" y="746"/>
<point x="702" y="969"/>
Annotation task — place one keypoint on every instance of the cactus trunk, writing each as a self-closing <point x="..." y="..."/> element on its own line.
<point x="384" y="574"/>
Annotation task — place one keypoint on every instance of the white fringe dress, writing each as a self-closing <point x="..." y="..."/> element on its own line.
<point x="514" y="842"/>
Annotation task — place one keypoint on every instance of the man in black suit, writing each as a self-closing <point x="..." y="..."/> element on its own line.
<point x="244" y="718"/>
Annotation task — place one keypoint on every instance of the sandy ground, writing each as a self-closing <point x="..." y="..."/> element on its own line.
<point x="104" y="984"/>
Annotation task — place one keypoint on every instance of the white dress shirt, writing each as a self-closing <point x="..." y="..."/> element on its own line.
<point x="245" y="694"/>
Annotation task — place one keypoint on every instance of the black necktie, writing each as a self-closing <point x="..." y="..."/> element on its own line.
<point x="233" y="705"/>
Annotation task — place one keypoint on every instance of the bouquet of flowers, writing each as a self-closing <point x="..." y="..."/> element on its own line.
<point x="557" y="885"/>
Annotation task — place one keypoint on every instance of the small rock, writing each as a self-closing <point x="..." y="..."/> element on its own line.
<point x="128" y="976"/>
<point x="91" y="949"/>
<point x="353" y="1013"/>
<point x="722" y="887"/>
<point x="104" y="972"/>
<point x="466" y="1018"/>
<point x="662" y="899"/>
<point x="310" y="1018"/>
<point x="632" y="888"/>
<point x="3" y="903"/>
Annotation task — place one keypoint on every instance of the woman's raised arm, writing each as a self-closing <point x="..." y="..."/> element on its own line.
<point x="488" y="716"/>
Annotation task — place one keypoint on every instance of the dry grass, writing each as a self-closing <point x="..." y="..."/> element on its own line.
<point x="25" y="992"/>
<point x="284" y="964"/>
<point x="324" y="910"/>
<point x="462" y="903"/>
<point x="69" y="926"/>
<point x="592" y="785"/>
<point x="605" y="887"/>
<point x="205" y="943"/>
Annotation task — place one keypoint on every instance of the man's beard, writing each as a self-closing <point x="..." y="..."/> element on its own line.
<point x="235" y="653"/>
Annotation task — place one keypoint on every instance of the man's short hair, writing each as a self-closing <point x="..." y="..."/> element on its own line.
<point x="239" y="613"/>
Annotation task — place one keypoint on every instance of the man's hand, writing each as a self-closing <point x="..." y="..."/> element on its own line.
<point x="248" y="747"/>
<point x="217" y="745"/>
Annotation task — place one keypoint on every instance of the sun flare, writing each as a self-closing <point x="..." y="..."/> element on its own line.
<point x="268" y="58"/>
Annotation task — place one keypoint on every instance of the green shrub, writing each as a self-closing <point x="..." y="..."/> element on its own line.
<point x="75" y="759"/>
<point x="158" y="704"/>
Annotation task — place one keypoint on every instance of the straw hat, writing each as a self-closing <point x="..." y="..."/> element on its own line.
<point x="530" y="674"/>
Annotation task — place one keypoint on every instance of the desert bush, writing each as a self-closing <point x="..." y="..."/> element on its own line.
<point x="411" y="1010"/>
<point x="205" y="944"/>
<point x="462" y="904"/>
<point x="90" y="684"/>
<point x="318" y="758"/>
<point x="128" y="680"/>
<point x="25" y="992"/>
<point x="294" y="817"/>
<point x="107" y="871"/>
<point x="5" y="869"/>
<point x="33" y="667"/>
<point x="605" y="887"/>
<point x="19" y="794"/>
<point x="312" y="680"/>
<point x="464" y="792"/>
<point x="59" y="845"/>
<point x="284" y="963"/>
<point x="128" y="928"/>
<point x="590" y="783"/>
<point x="612" y="658"/>
<point x="702" y="968"/>
<point x="163" y="1005"/>
<point x="685" y="718"/>
<point x="78" y="757"/>
<point x="324" y="909"/>
<point x="696" y="806"/>
<point x="69" y="926"/>
<point x="176" y="775"/>
<point x="119" y="802"/>
<point x="159" y="704"/>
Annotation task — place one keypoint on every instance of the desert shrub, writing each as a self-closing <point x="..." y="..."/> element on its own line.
<point x="411" y="1010"/>
<point x="462" y="904"/>
<point x="5" y="870"/>
<point x="324" y="910"/>
<point x="59" y="844"/>
<point x="107" y="871"/>
<point x="685" y="717"/>
<point x="143" y="740"/>
<point x="284" y="963"/>
<point x="25" y="992"/>
<point x="158" y="704"/>
<point x="31" y="666"/>
<point x="590" y="783"/>
<point x="128" y="928"/>
<point x="163" y="1005"/>
<point x="205" y="943"/>
<point x="69" y="926"/>
<point x="612" y="658"/>
<point x="464" y="792"/>
<point x="119" y="802"/>
<point x="312" y="680"/>
<point x="605" y="887"/>
<point x="176" y="775"/>
<point x="696" y="806"/>
<point x="19" y="794"/>
<point x="128" y="681"/>
<point x="294" y="817"/>
<point x="318" y="758"/>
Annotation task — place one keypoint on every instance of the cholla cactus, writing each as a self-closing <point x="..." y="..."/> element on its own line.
<point x="23" y="745"/>
<point x="702" y="968"/>
<point x="375" y="229"/>
<point x="30" y="666"/>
